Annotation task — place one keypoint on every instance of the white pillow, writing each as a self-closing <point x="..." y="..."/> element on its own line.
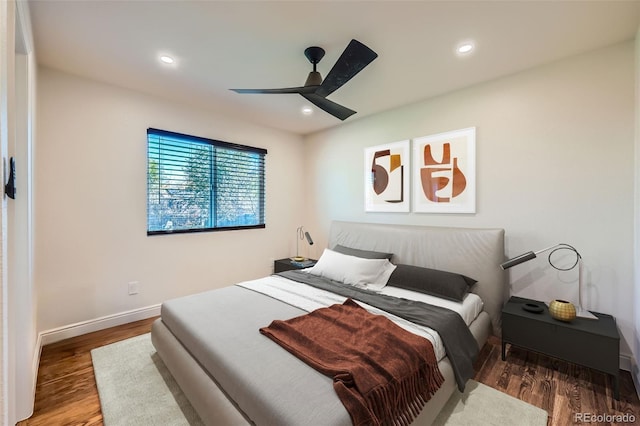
<point x="381" y="282"/>
<point x="372" y="274"/>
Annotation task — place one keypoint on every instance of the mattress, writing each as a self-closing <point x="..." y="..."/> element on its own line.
<point x="249" y="366"/>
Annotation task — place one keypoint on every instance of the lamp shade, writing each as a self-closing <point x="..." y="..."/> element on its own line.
<point x="308" y="237"/>
<point x="518" y="260"/>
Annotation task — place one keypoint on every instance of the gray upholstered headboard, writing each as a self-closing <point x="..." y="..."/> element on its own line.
<point x="474" y="252"/>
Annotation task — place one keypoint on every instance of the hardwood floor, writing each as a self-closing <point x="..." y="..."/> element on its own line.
<point x="566" y="391"/>
<point x="66" y="392"/>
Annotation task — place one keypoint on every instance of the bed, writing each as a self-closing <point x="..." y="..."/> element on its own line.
<point x="233" y="375"/>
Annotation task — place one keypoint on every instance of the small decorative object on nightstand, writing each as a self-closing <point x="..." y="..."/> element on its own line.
<point x="593" y="344"/>
<point x="533" y="307"/>
<point x="288" y="264"/>
<point x="562" y="310"/>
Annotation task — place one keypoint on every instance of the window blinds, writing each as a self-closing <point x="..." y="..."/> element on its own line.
<point x="197" y="184"/>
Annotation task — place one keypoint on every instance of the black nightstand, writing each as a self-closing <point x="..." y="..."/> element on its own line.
<point x="591" y="343"/>
<point x="287" y="264"/>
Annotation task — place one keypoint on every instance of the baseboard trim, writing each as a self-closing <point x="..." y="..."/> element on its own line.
<point x="635" y="375"/>
<point x="626" y="362"/>
<point x="35" y="364"/>
<point x="97" y="324"/>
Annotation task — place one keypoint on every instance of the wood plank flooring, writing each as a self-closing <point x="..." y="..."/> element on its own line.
<point x="564" y="390"/>
<point x="66" y="392"/>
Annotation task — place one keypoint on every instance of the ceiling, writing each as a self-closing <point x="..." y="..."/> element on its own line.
<point x="218" y="45"/>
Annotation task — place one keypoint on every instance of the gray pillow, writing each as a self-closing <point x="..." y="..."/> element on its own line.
<point x="365" y="254"/>
<point x="447" y="285"/>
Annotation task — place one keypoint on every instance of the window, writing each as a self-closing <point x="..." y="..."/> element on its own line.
<point x="197" y="184"/>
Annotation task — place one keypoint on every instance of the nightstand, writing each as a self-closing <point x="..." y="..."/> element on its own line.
<point x="287" y="264"/>
<point x="591" y="343"/>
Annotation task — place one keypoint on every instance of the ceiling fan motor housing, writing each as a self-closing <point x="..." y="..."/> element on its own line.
<point x="314" y="79"/>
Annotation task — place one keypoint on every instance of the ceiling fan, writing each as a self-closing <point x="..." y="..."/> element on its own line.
<point x="355" y="57"/>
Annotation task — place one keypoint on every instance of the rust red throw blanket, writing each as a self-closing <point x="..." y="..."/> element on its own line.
<point x="382" y="373"/>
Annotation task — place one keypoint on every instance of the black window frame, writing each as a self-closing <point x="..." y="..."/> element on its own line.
<point x="214" y="144"/>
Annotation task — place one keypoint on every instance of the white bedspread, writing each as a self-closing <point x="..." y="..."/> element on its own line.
<point x="309" y="298"/>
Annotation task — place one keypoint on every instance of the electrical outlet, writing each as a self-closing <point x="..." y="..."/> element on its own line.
<point x="134" y="287"/>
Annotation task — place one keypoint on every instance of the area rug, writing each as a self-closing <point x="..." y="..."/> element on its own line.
<point x="135" y="388"/>
<point x="481" y="405"/>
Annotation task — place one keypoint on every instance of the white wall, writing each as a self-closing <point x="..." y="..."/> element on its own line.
<point x="90" y="176"/>
<point x="555" y="163"/>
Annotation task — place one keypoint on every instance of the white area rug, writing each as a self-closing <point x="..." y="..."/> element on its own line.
<point x="136" y="388"/>
<point x="481" y="405"/>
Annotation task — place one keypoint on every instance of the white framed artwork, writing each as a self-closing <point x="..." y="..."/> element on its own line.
<point x="444" y="172"/>
<point x="386" y="177"/>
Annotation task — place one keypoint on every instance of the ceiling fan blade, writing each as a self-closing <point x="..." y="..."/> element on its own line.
<point x="332" y="108"/>
<point x="353" y="60"/>
<point x="284" y="90"/>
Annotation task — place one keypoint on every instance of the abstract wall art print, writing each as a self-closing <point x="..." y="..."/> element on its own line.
<point x="444" y="172"/>
<point x="386" y="177"/>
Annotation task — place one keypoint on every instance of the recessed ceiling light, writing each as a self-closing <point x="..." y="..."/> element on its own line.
<point x="166" y="59"/>
<point x="464" y="48"/>
<point x="307" y="110"/>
